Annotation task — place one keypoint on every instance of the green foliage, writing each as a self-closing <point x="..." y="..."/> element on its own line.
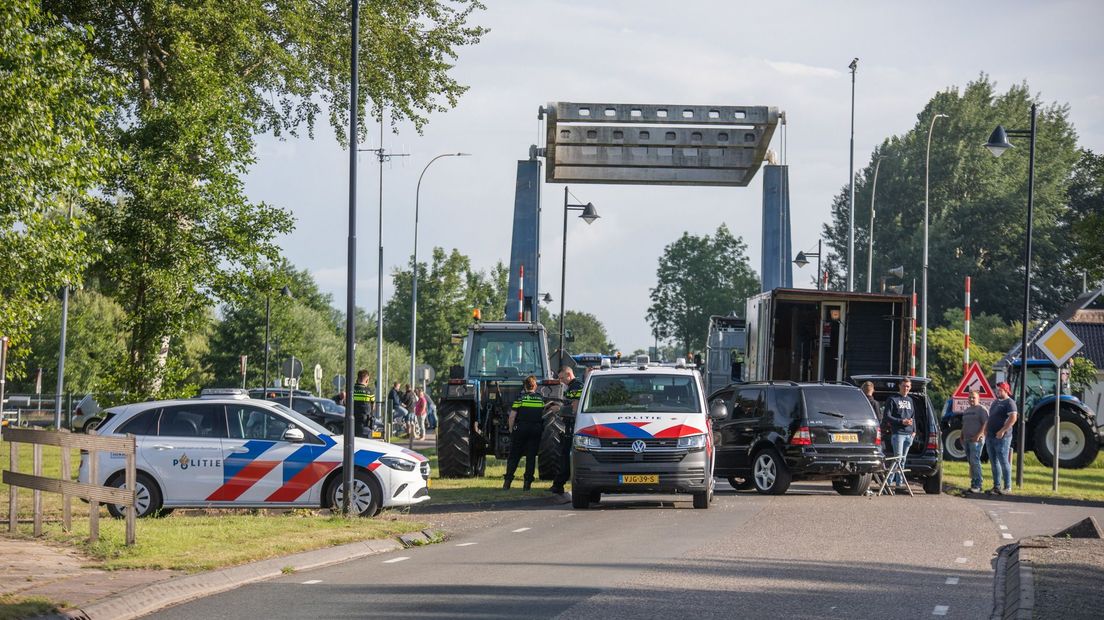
<point x="589" y="333"/>
<point x="199" y="81"/>
<point x="1086" y="226"/>
<point x="53" y="155"/>
<point x="977" y="204"/>
<point x="448" y="290"/>
<point x="698" y="277"/>
<point x="987" y="330"/>
<point x="1082" y="373"/>
<point x="945" y="361"/>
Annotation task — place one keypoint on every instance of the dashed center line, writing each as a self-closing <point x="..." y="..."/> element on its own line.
<point x="967" y="543"/>
<point x="521" y="529"/>
<point x="1004" y="527"/>
<point x="952" y="581"/>
<point x="1006" y="536"/>
<point x="962" y="560"/>
<point x="312" y="582"/>
<point x="940" y="610"/>
<point x="398" y="559"/>
<point x="467" y="544"/>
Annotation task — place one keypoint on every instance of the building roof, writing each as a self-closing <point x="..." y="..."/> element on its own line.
<point x="1085" y="318"/>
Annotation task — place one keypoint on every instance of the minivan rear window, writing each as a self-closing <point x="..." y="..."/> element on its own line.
<point x="838" y="403"/>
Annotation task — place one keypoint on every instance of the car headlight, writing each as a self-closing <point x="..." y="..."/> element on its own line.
<point x="398" y="463"/>
<point x="587" y="442"/>
<point x="693" y="442"/>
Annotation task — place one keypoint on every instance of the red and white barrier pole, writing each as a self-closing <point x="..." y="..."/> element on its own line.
<point x="912" y="338"/>
<point x="966" y="340"/>
<point x="521" y="293"/>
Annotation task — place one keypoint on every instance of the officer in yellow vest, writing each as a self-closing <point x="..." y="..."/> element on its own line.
<point x="526" y="425"/>
<point x="364" y="398"/>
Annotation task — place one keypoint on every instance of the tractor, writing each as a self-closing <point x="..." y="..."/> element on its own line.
<point x="472" y="415"/>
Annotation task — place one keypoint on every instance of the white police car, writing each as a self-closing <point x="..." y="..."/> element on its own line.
<point x="224" y="450"/>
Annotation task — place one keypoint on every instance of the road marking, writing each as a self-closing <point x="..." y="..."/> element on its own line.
<point x="967" y="543"/>
<point x="398" y="559"/>
<point x="521" y="529"/>
<point x="312" y="582"/>
<point x="1003" y="527"/>
<point x="1016" y="512"/>
<point x="467" y="544"/>
<point x="1006" y="536"/>
<point x="570" y="514"/>
<point x="940" y="610"/>
<point x="962" y="560"/>
<point x="952" y="581"/>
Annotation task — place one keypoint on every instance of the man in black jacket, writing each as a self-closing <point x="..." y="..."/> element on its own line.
<point x="898" y="414"/>
<point x="573" y="388"/>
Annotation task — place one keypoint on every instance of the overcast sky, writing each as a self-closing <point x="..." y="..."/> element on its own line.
<point x="791" y="55"/>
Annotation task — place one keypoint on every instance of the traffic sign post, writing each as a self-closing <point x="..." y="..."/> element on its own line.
<point x="292" y="368"/>
<point x="244" y="366"/>
<point x="318" y="379"/>
<point x="1059" y="344"/>
<point x="974" y="379"/>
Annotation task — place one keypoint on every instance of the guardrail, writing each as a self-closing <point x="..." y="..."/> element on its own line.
<point x="95" y="494"/>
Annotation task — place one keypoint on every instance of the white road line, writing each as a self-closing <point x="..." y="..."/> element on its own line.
<point x="1003" y="527"/>
<point x="940" y="610"/>
<point x="398" y="559"/>
<point x="467" y="544"/>
<point x="521" y="529"/>
<point x="1006" y="536"/>
<point x="570" y="514"/>
<point x="952" y="581"/>
<point x="967" y="543"/>
<point x="1018" y="512"/>
<point x="962" y="560"/>
<point x="312" y="582"/>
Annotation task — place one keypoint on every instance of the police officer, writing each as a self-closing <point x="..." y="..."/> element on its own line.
<point x="526" y="425"/>
<point x="363" y="400"/>
<point x="573" y="389"/>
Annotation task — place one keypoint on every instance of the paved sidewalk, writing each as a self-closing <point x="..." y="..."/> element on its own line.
<point x="64" y="576"/>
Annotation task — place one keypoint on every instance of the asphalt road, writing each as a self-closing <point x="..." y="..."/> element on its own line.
<point x="808" y="554"/>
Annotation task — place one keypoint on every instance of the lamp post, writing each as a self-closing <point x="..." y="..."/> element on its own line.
<point x="588" y="215"/>
<point x="851" y="183"/>
<point x="998" y="144"/>
<point x="414" y="272"/>
<point x="286" y="292"/>
<point x="870" y="241"/>
<point x="924" y="277"/>
<point x="802" y="259"/>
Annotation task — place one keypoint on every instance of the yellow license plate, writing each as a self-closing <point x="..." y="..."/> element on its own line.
<point x="639" y="479"/>
<point x="845" y="438"/>
<point x="427" y="482"/>
<point x="376" y="434"/>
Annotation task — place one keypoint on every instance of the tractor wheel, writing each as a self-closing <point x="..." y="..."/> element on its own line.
<point x="1078" y="447"/>
<point x="548" y="459"/>
<point x="454" y="441"/>
<point x="953" y="448"/>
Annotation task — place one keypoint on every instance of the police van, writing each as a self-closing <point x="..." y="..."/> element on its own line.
<point x="642" y="428"/>
<point x="225" y="450"/>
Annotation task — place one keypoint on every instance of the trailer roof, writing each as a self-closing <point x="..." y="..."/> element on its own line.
<point x="809" y="294"/>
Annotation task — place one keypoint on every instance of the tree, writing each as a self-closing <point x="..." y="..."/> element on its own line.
<point x="987" y="330"/>
<point x="448" y="290"/>
<point x="53" y="156"/>
<point x="945" y="361"/>
<point x="1086" y="224"/>
<point x="587" y="331"/>
<point x="977" y="204"/>
<point x="698" y="277"/>
<point x="200" y="80"/>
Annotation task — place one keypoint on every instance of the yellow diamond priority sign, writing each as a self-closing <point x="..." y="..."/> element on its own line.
<point x="1059" y="344"/>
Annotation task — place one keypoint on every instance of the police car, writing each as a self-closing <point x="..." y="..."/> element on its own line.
<point x="643" y="428"/>
<point x="225" y="450"/>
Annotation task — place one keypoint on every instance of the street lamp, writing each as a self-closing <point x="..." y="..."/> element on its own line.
<point x="851" y="184"/>
<point x="286" y="292"/>
<point x="924" y="311"/>
<point x="546" y="298"/>
<point x="588" y="215"/>
<point x="802" y="259"/>
<point x="998" y="144"/>
<point x="870" y="241"/>
<point x="414" y="272"/>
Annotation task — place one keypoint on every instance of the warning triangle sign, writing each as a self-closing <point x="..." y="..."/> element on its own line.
<point x="974" y="380"/>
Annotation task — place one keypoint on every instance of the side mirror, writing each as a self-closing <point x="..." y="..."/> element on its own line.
<point x="293" y="435"/>
<point x="718" y="410"/>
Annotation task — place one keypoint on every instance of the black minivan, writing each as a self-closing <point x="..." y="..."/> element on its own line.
<point x="779" y="431"/>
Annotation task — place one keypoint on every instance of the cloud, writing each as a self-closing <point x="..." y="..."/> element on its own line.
<point x="802" y="70"/>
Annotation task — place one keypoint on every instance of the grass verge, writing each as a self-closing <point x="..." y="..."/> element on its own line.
<point x="13" y="607"/>
<point x="1076" y="484"/>
<point x="487" y="488"/>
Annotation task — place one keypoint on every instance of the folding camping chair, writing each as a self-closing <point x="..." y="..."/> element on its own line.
<point x="896" y="465"/>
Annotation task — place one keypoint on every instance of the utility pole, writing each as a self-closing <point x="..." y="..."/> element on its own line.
<point x="851" y="184"/>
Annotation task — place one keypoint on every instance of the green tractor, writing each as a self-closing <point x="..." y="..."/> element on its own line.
<point x="472" y="415"/>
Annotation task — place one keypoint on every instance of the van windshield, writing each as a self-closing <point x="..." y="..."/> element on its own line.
<point x="838" y="403"/>
<point x="659" y="393"/>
